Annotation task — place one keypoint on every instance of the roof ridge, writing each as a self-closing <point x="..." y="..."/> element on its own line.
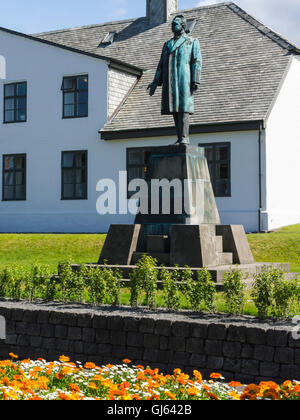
<point x="117" y="22"/>
<point x="261" y="27"/>
<point x="95" y="25"/>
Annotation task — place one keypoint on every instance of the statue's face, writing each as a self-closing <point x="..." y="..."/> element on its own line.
<point x="177" y="25"/>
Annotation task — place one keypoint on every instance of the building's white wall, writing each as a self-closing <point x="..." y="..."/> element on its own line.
<point x="282" y="154"/>
<point x="45" y="135"/>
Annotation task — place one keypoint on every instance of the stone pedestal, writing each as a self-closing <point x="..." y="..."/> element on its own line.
<point x="191" y="233"/>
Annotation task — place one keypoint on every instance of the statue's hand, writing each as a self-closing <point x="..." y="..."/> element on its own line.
<point x="152" y="88"/>
<point x="194" y="87"/>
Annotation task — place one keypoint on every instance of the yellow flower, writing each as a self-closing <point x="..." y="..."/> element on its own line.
<point x="64" y="359"/>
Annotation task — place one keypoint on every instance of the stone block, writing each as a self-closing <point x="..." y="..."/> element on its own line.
<point x="180" y="329"/>
<point x="30" y="316"/>
<point x="215" y="363"/>
<point x="75" y="333"/>
<point x="181" y="358"/>
<point x="47" y="330"/>
<point x="193" y="245"/>
<point x="61" y="331"/>
<point x="235" y="241"/>
<point x="256" y="336"/>
<point x="250" y="367"/>
<point x="43" y="317"/>
<point x="199" y="330"/>
<point x="269" y="370"/>
<point x="88" y="335"/>
<point x="264" y="353"/>
<point x="165" y="356"/>
<point x="237" y="333"/>
<point x="213" y="348"/>
<point x="75" y="346"/>
<point x="85" y="321"/>
<point x="62" y="345"/>
<point x="102" y="336"/>
<point x="90" y="348"/>
<point x="120" y="244"/>
<point x="115" y="323"/>
<point x="232" y="349"/>
<point x="247" y="351"/>
<point x="151" y="355"/>
<point x="163" y="327"/>
<point x="147" y="325"/>
<point x="104" y="349"/>
<point x="56" y="318"/>
<point x="135" y="339"/>
<point x="277" y="338"/>
<point x="100" y="322"/>
<point x="36" y="342"/>
<point x="232" y="365"/>
<point x="131" y="324"/>
<point x="151" y="341"/>
<point x="199" y="361"/>
<point x="284" y="355"/>
<point x="290" y="372"/>
<point x="118" y="338"/>
<point x="195" y="345"/>
<point x="177" y="343"/>
<point x="135" y="353"/>
<point x="217" y="331"/>
<point x="163" y="342"/>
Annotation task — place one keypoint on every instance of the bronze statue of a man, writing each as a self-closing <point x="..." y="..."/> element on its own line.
<point x="179" y="73"/>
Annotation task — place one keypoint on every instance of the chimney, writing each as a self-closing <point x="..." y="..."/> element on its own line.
<point x="159" y="11"/>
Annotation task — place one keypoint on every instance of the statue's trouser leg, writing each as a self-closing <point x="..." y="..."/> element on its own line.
<point x="182" y="122"/>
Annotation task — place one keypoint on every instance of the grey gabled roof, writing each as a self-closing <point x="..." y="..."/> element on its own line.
<point x="244" y="63"/>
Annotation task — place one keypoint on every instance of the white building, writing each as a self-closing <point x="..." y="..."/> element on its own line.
<point x="61" y="88"/>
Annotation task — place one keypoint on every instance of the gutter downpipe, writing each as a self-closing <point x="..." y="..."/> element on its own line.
<point x="260" y="174"/>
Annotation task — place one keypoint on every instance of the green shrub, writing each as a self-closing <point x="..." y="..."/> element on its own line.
<point x="113" y="285"/>
<point x="144" y="279"/>
<point x="275" y="296"/>
<point x="234" y="291"/>
<point x="201" y="293"/>
<point x="171" y="289"/>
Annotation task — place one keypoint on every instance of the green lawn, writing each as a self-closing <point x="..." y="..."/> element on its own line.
<point x="280" y="246"/>
<point x="25" y="249"/>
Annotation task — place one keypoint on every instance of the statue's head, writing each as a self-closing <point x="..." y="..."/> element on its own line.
<point x="179" y="24"/>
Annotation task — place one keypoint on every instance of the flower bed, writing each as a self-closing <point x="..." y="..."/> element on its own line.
<point x="63" y="380"/>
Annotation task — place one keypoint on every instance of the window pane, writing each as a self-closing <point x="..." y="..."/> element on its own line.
<point x="68" y="176"/>
<point x="82" y="110"/>
<point x="209" y="153"/>
<point x="222" y="153"/>
<point x="69" y="111"/>
<point x="222" y="171"/>
<point x="69" y="98"/>
<point x="68" y="191"/>
<point x="134" y="157"/>
<point x="20" y="192"/>
<point x="9" y="193"/>
<point x="134" y="173"/>
<point x="80" y="159"/>
<point x="19" y="178"/>
<point x="80" y="190"/>
<point x="9" y="178"/>
<point x="222" y="187"/>
<point x="21" y="115"/>
<point x="9" y="90"/>
<point x="68" y="160"/>
<point x="19" y="162"/>
<point x="9" y="116"/>
<point x="82" y="82"/>
<point x="21" y="89"/>
<point x="82" y="97"/>
<point x="9" y="162"/>
<point x="69" y="83"/>
<point x="9" y="104"/>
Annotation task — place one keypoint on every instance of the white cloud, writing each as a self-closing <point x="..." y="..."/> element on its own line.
<point x="282" y="16"/>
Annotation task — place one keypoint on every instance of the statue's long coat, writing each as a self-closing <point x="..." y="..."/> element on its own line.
<point x="179" y="67"/>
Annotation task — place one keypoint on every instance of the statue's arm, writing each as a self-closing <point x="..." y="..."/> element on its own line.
<point x="196" y="64"/>
<point x="158" y="78"/>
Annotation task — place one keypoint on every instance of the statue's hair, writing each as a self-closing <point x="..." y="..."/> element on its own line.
<point x="183" y="21"/>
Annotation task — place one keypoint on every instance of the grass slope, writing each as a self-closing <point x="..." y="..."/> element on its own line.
<point x="279" y="246"/>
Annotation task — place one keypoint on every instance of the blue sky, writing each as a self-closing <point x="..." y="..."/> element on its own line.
<point x="31" y="16"/>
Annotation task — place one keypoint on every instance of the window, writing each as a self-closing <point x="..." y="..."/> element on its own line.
<point x="108" y="39"/>
<point x="74" y="175"/>
<point x="15" y="98"/>
<point x="137" y="163"/>
<point x="14" y="178"/>
<point x="218" y="159"/>
<point x="75" y="97"/>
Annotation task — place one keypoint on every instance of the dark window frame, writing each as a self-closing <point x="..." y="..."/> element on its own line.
<point x="74" y="168"/>
<point x="76" y="91"/>
<point x="14" y="97"/>
<point x="214" y="162"/>
<point x="140" y="165"/>
<point x="4" y="171"/>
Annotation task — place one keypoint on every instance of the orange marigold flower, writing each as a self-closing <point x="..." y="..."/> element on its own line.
<point x="170" y="395"/>
<point x="64" y="359"/>
<point x="235" y="384"/>
<point x="212" y="396"/>
<point x="287" y="385"/>
<point x="13" y="356"/>
<point x="126" y="361"/>
<point x="140" y="367"/>
<point x="198" y="375"/>
<point x="74" y="387"/>
<point x="215" y="375"/>
<point x="92" y="385"/>
<point x="90" y="365"/>
<point x="271" y="394"/>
